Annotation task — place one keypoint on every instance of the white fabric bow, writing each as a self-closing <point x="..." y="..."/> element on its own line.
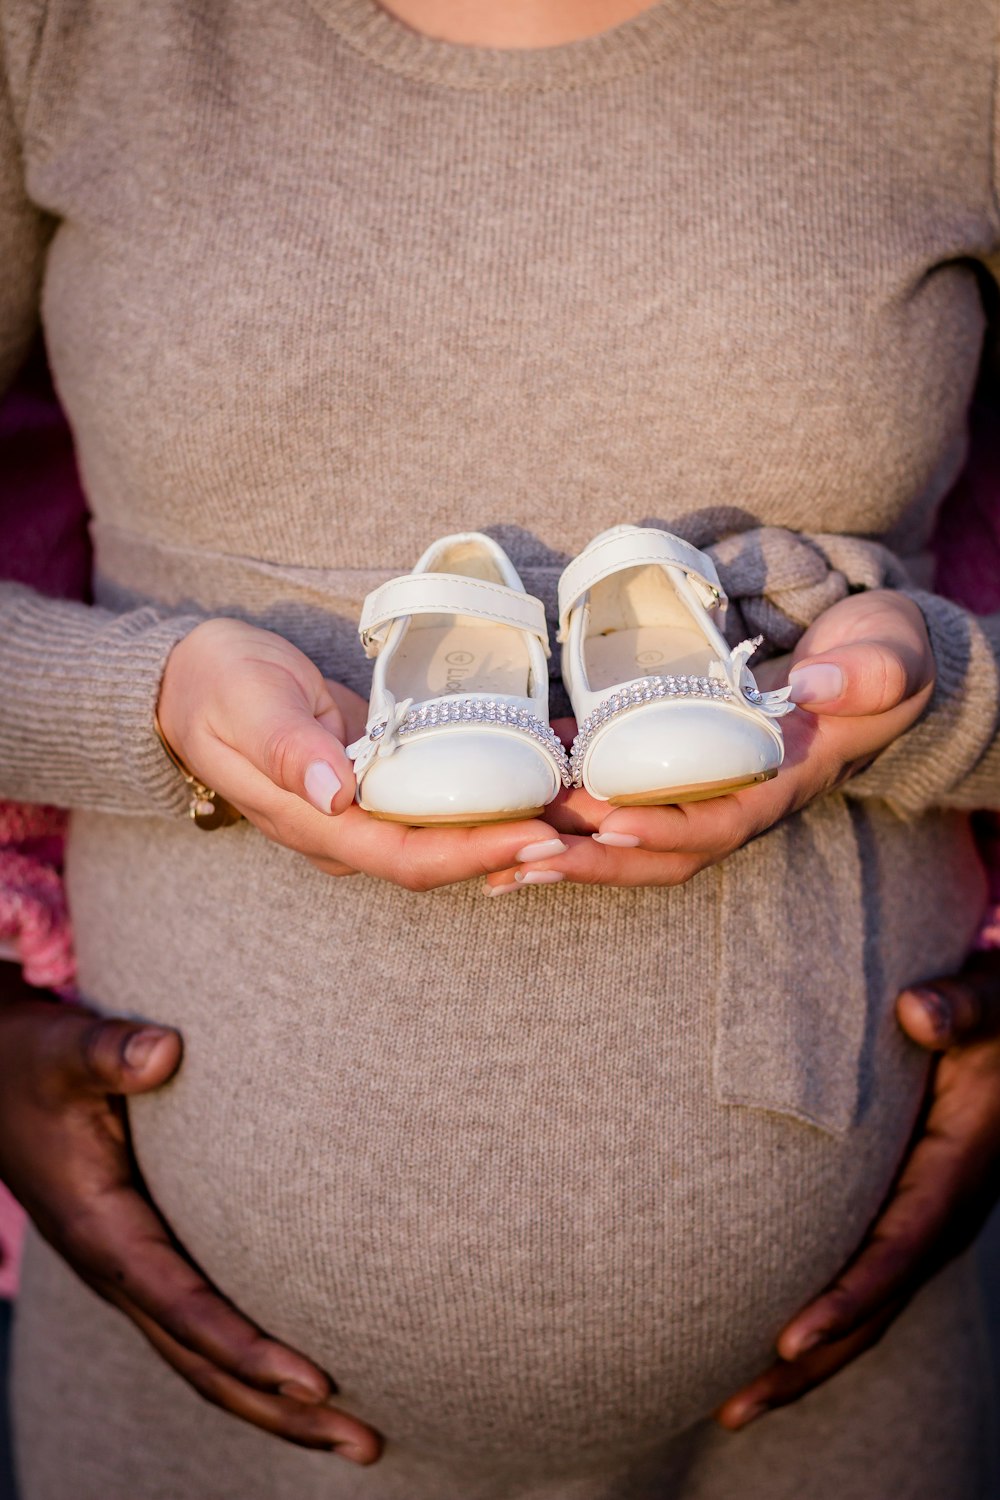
<point x="775" y="703"/>
<point x="381" y="736"/>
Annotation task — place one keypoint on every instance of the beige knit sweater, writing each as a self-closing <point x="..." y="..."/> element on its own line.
<point x="538" y="1184"/>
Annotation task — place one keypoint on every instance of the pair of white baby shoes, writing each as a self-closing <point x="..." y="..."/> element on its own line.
<point x="458" y="728"/>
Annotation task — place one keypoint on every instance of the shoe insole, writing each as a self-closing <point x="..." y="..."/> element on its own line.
<point x="639" y="627"/>
<point x="466" y="655"/>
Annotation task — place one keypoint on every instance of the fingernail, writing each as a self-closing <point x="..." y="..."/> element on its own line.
<point x="296" y="1392"/>
<point x="546" y="849"/>
<point x="538" y="877"/>
<point x="803" y="1345"/>
<point x="937" y="1009"/>
<point x="820" y="683"/>
<point x="322" y="785"/>
<point x="617" y="840"/>
<point x="502" y="890"/>
<point x="141" y="1045"/>
<point x="353" y="1455"/>
<point x="751" y="1414"/>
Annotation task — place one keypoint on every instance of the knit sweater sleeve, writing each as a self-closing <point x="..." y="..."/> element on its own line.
<point x="951" y="756"/>
<point x="78" y="685"/>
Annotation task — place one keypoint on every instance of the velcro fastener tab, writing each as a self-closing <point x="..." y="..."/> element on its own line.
<point x="447" y="594"/>
<point x="635" y="548"/>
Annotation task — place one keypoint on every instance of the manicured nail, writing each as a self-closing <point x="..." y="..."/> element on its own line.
<point x="617" y="840"/>
<point x="546" y="849"/>
<point x="502" y="890"/>
<point x="141" y="1045"/>
<point x="820" y="683"/>
<point x="322" y="785"/>
<point x="296" y="1392"/>
<point x="538" y="877"/>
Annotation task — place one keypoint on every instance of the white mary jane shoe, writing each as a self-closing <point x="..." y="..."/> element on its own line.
<point x="458" y="728"/>
<point x="667" y="711"/>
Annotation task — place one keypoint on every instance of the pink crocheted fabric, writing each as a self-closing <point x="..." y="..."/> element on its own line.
<point x="34" y="923"/>
<point x="34" y="931"/>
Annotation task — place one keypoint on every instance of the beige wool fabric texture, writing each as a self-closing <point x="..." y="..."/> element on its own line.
<point x="538" y="1180"/>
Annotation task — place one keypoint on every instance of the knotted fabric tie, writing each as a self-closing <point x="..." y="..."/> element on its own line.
<point x="780" y="581"/>
<point x="792" y="1011"/>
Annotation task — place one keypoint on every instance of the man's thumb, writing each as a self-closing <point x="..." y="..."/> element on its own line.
<point x="959" y="1009"/>
<point x="119" y="1057"/>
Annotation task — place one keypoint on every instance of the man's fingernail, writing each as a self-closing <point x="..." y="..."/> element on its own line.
<point x="820" y="683"/>
<point x="502" y="890"/>
<point x="296" y="1392"/>
<point x="750" y="1414"/>
<point x="546" y="849"/>
<point x="141" y="1045"/>
<point x="322" y="785"/>
<point x="538" y="877"/>
<point x="353" y="1455"/>
<point x="937" y="1010"/>
<point x="617" y="840"/>
<point x="809" y="1341"/>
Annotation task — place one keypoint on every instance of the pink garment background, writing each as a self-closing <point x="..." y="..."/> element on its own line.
<point x="43" y="542"/>
<point x="43" y="527"/>
<point x="967" y="552"/>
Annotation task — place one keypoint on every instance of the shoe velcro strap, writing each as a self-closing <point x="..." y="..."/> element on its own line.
<point x="448" y="594"/>
<point x="636" y="549"/>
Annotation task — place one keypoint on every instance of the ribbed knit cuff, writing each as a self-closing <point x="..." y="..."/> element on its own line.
<point x="951" y="756"/>
<point x="78" y="690"/>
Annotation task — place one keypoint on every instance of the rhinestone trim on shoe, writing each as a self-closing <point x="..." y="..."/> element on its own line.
<point x="485" y="711"/>
<point x="635" y="696"/>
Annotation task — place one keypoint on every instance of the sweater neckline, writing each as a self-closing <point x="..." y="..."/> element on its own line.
<point x="630" y="47"/>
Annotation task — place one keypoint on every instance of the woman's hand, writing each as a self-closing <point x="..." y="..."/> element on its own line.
<point x="862" y="674"/>
<point x="946" y="1188"/>
<point x="64" y="1154"/>
<point x="253" y="718"/>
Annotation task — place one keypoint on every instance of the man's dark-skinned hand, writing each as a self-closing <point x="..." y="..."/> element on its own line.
<point x="64" y="1153"/>
<point x="943" y="1194"/>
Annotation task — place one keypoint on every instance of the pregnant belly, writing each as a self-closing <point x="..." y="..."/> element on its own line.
<point x="507" y="1214"/>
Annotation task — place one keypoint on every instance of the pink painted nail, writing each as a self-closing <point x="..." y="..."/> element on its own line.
<point x="820" y="683"/>
<point x="538" y="877"/>
<point x="545" y="849"/>
<point x="617" y="840"/>
<point x="322" y="785"/>
<point x="502" y="890"/>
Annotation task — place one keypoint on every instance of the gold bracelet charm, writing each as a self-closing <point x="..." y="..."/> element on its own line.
<point x="206" y="808"/>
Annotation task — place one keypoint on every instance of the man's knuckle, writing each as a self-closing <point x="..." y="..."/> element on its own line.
<point x="97" y="1043"/>
<point x="211" y="1384"/>
<point x="77" y="1243"/>
<point x="83" y="1231"/>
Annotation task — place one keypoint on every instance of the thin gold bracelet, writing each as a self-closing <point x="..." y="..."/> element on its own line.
<point x="206" y="808"/>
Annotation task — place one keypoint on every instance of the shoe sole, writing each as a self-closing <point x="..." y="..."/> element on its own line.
<point x="454" y="820"/>
<point x="701" y="792"/>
